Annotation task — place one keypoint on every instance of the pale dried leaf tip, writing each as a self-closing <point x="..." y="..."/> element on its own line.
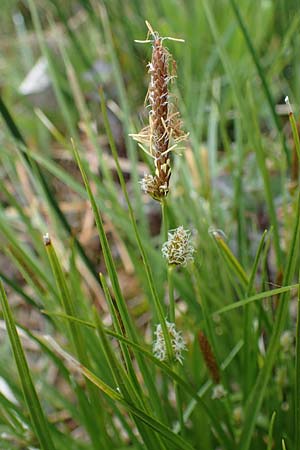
<point x="287" y="102"/>
<point x="177" y="342"/>
<point x="217" y="233"/>
<point x="178" y="250"/>
<point x="46" y="239"/>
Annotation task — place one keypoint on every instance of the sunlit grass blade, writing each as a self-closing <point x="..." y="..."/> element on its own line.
<point x="119" y="298"/>
<point x="116" y="396"/>
<point x="93" y="415"/>
<point x="38" y="419"/>
<point x="254" y="298"/>
<point x="32" y="166"/>
<point x="249" y="336"/>
<point x="270" y="434"/>
<point x="125" y="385"/>
<point x="157" y="303"/>
<point x="173" y="375"/>
<point x="258" y="392"/>
<point x="297" y="377"/>
<point x="229" y="257"/>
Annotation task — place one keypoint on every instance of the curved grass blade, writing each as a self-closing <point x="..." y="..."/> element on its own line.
<point x="38" y="419"/>
<point x="162" y="429"/>
<point x="158" y="307"/>
<point x="111" y="269"/>
<point x="270" y="434"/>
<point x="46" y="189"/>
<point x="174" y="376"/>
<point x="256" y="297"/>
<point x="249" y="336"/>
<point x="94" y="412"/>
<point x="297" y="380"/>
<point x="261" y="75"/>
<point x="258" y="392"/>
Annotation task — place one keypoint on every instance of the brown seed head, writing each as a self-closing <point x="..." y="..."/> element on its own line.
<point x="164" y="130"/>
<point x="209" y="357"/>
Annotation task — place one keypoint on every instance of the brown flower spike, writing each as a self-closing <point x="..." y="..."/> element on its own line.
<point x="209" y="357"/>
<point x="164" y="130"/>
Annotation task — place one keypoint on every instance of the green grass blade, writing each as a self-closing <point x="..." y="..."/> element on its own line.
<point x="173" y="375"/>
<point x="120" y="301"/>
<point x="261" y="160"/>
<point x="270" y="434"/>
<point x="249" y="334"/>
<point x="93" y="415"/>
<point x="254" y="298"/>
<point x="66" y="111"/>
<point x="258" y="392"/>
<point x="261" y="75"/>
<point x="297" y="380"/>
<point x="46" y="189"/>
<point x="39" y="422"/>
<point x="230" y="258"/>
<point x="157" y="303"/>
<point x="151" y="422"/>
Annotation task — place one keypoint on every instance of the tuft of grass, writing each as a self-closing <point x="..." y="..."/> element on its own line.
<point x="214" y="262"/>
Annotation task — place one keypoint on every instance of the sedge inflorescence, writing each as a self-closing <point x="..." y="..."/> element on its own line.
<point x="164" y="132"/>
<point x="177" y="342"/>
<point x="178" y="250"/>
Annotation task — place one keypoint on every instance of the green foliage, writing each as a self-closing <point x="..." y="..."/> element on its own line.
<point x="77" y="369"/>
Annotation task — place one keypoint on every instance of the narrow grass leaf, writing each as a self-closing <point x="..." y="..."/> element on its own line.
<point x="258" y="392"/>
<point x="254" y="298"/>
<point x="270" y="434"/>
<point x="116" y="396"/>
<point x="38" y="419"/>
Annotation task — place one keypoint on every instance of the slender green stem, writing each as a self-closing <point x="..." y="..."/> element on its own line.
<point x="258" y="392"/>
<point x="170" y="269"/>
<point x="231" y="259"/>
<point x="149" y="274"/>
<point x="165" y="221"/>
<point x="295" y="132"/>
<point x="270" y="434"/>
<point x="179" y="406"/>
<point x="171" y="294"/>
<point x="297" y="382"/>
<point x="249" y="336"/>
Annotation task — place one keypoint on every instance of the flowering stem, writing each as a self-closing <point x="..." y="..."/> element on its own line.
<point x="171" y="294"/>
<point x="179" y="405"/>
<point x="150" y="279"/>
<point x="165" y="222"/>
<point x="170" y="270"/>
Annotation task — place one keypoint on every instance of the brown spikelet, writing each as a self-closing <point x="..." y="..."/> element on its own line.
<point x="209" y="357"/>
<point x="158" y="100"/>
<point x="164" y="130"/>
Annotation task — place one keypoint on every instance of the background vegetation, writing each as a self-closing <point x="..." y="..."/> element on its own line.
<point x="93" y="383"/>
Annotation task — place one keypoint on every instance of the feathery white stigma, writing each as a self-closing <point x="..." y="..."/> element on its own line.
<point x="218" y="392"/>
<point x="177" y="341"/>
<point x="178" y="249"/>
